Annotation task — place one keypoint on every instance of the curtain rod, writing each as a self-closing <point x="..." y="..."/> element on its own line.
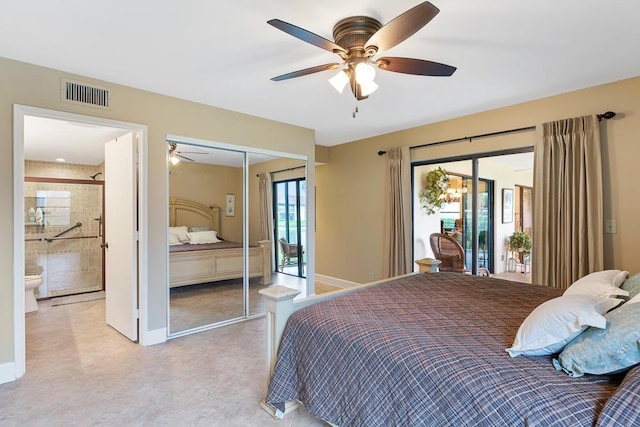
<point x="608" y="115"/>
<point x="285" y="170"/>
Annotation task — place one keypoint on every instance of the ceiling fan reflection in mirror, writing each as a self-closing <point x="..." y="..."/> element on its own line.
<point x="358" y="39"/>
<point x="175" y="155"/>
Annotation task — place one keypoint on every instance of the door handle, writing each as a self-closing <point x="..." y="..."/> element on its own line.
<point x="105" y="245"/>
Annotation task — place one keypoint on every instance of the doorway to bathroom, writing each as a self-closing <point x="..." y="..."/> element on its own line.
<point x="53" y="207"/>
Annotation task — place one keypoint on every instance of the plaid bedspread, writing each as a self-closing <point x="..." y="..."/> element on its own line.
<point x="429" y="350"/>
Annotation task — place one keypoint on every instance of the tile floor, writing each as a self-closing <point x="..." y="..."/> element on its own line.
<point x="81" y="372"/>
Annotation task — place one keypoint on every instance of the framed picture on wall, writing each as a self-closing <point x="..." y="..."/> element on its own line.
<point x="231" y="205"/>
<point x="507" y="205"/>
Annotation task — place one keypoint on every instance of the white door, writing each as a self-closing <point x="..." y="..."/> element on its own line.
<point x="121" y="244"/>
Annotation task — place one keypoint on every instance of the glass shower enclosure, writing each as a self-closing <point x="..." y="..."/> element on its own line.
<point x="64" y="235"/>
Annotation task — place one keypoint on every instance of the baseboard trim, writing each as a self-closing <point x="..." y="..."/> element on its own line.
<point x="7" y="372"/>
<point x="157" y="336"/>
<point x="334" y="281"/>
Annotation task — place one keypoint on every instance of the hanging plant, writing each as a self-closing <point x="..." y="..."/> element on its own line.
<point x="435" y="188"/>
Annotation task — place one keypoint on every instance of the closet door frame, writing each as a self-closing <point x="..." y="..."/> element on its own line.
<point x="245" y="226"/>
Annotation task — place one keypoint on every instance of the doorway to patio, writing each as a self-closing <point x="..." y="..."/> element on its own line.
<point x="473" y="209"/>
<point x="289" y="211"/>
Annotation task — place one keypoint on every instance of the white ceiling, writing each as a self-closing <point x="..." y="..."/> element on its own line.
<point x="48" y="140"/>
<point x="224" y="54"/>
<point x="51" y="140"/>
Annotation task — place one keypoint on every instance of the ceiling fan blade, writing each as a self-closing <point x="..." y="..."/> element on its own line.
<point x="183" y="157"/>
<point x="402" y="27"/>
<point x="306" y="71"/>
<point x="418" y="67"/>
<point x="306" y="36"/>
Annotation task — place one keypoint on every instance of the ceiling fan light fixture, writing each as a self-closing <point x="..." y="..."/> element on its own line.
<point x="357" y="39"/>
<point x="174" y="160"/>
<point x="365" y="73"/>
<point x="339" y="81"/>
<point x="367" y="88"/>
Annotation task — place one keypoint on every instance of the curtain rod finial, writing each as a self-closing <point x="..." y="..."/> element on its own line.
<point x="608" y="115"/>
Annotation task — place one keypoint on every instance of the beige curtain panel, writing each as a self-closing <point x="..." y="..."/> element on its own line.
<point x="567" y="202"/>
<point x="397" y="218"/>
<point x="266" y="209"/>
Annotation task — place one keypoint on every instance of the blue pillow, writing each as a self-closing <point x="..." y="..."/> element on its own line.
<point x="605" y="351"/>
<point x="632" y="285"/>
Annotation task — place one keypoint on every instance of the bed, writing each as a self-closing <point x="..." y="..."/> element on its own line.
<point x="191" y="264"/>
<point x="429" y="350"/>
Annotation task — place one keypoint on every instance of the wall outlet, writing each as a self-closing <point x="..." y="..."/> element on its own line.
<point x="610" y="226"/>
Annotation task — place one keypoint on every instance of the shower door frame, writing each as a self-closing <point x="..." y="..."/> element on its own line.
<point x="101" y="235"/>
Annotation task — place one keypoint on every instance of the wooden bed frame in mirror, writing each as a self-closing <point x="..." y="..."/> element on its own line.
<point x="210" y="265"/>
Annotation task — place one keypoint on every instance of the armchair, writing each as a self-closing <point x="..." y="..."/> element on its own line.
<point x="450" y="253"/>
<point x="288" y="251"/>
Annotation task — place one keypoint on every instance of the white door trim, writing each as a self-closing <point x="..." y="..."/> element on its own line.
<point x="19" y="112"/>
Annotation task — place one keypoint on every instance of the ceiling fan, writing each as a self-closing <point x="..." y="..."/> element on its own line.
<point x="176" y="155"/>
<point x="358" y="39"/>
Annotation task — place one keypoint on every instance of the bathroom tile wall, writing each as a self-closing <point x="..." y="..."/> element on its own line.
<point x="62" y="170"/>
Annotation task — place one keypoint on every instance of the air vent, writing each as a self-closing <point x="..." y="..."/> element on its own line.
<point x="80" y="93"/>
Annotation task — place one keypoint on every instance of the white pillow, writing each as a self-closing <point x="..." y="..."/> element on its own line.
<point x="181" y="232"/>
<point x="600" y="283"/>
<point x="202" y="237"/>
<point x="551" y="325"/>
<point x="174" y="239"/>
<point x="620" y="278"/>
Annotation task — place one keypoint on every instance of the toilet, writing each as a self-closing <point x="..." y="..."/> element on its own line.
<point x="31" y="283"/>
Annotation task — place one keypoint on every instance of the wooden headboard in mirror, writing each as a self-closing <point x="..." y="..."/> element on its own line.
<point x="193" y="214"/>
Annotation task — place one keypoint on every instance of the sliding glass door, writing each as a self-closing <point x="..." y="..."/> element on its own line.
<point x="469" y="209"/>
<point x="485" y="223"/>
<point x="290" y="225"/>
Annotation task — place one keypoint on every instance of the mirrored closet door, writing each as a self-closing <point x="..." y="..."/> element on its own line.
<point x="206" y="235"/>
<point x="222" y="247"/>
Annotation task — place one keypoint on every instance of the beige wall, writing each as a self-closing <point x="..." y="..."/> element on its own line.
<point x="350" y="188"/>
<point x="209" y="184"/>
<point x="30" y="85"/>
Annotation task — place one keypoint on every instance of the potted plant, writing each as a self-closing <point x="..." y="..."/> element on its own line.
<point x="435" y="187"/>
<point x="520" y="242"/>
